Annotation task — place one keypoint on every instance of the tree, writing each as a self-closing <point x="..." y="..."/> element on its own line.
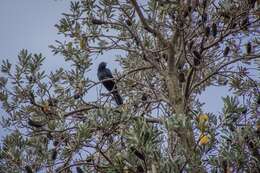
<point x="170" y="51"/>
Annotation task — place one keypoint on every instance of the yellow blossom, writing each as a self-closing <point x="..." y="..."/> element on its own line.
<point x="203" y="122"/>
<point x="204" y="139"/>
<point x="203" y="118"/>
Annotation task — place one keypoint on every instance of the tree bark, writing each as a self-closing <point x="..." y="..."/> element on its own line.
<point x="177" y="100"/>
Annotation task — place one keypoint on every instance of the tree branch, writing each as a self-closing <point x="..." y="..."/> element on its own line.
<point x="217" y="70"/>
<point x="146" y="26"/>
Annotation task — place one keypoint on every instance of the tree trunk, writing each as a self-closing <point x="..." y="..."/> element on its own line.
<point x="185" y="133"/>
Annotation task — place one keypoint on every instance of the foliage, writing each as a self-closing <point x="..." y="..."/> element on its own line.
<point x="170" y="51"/>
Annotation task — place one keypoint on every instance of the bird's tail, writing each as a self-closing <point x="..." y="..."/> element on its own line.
<point x="118" y="98"/>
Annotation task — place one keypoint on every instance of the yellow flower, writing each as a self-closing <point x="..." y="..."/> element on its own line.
<point x="204" y="139"/>
<point x="203" y="118"/>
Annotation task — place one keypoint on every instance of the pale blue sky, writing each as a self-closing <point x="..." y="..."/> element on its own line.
<point x="30" y="24"/>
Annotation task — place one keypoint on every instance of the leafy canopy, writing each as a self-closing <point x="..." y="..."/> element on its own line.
<point x="170" y="51"/>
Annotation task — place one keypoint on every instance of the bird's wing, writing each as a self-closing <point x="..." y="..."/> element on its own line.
<point x="108" y="73"/>
<point x="104" y="75"/>
<point x="110" y="85"/>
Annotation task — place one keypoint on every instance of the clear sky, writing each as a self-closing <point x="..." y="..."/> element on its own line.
<point x="30" y="24"/>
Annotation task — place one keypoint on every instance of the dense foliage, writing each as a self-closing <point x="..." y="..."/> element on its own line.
<point x="170" y="51"/>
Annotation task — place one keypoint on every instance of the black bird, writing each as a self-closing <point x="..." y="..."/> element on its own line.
<point x="104" y="74"/>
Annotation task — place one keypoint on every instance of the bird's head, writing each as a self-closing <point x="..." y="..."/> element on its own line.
<point x="102" y="65"/>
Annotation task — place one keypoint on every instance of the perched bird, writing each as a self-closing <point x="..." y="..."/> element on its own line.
<point x="104" y="74"/>
<point x="207" y="31"/>
<point x="214" y="29"/>
<point x="28" y="169"/>
<point x="79" y="170"/>
<point x="248" y="48"/>
<point x="197" y="58"/>
<point x="226" y="51"/>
